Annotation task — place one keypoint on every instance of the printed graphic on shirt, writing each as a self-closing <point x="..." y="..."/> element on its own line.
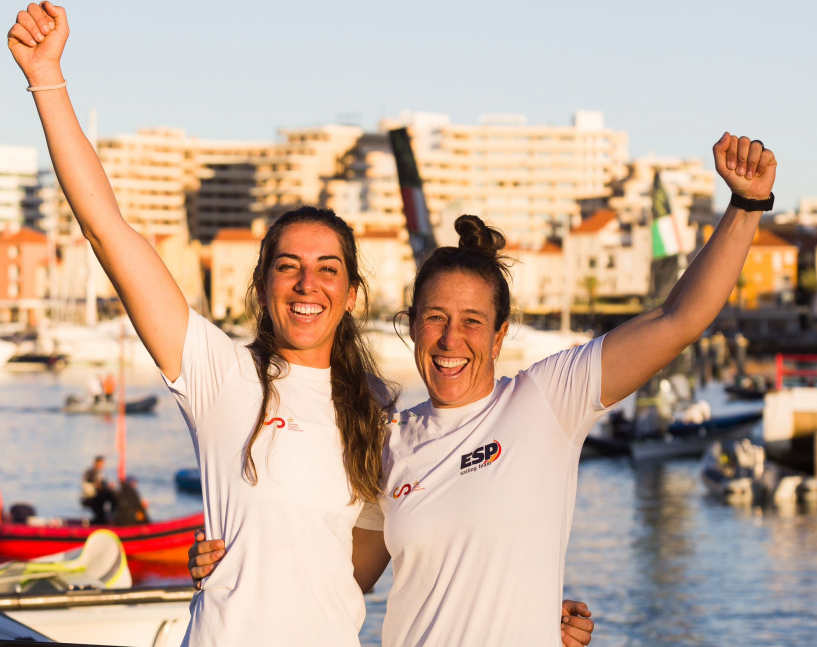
<point x="289" y="423"/>
<point x="399" y="423"/>
<point x="480" y="457"/>
<point x="405" y="490"/>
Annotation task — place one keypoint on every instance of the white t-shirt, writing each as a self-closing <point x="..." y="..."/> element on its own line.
<point x="287" y="577"/>
<point x="478" y="506"/>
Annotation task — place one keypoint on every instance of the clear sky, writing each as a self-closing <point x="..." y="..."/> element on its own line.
<point x="674" y="75"/>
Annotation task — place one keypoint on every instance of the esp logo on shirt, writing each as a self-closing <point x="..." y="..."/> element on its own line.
<point x="485" y="455"/>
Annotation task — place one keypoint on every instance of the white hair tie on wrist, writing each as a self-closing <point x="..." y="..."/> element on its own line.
<point x="46" y="87"/>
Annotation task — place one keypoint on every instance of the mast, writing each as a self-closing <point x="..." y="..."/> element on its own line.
<point x="567" y="296"/>
<point x="418" y="223"/>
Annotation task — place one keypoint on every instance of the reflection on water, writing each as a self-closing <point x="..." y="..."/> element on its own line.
<point x="662" y="563"/>
<point x="658" y="561"/>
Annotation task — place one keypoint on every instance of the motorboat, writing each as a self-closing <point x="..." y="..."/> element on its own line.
<point x="748" y="388"/>
<point x="154" y="541"/>
<point x="740" y="472"/>
<point x="189" y="480"/>
<point x="34" y="362"/>
<point x="74" y="404"/>
<point x="100" y="563"/>
<point x="138" y="617"/>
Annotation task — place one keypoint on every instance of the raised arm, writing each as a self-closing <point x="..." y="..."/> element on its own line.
<point x="635" y="351"/>
<point x="151" y="297"/>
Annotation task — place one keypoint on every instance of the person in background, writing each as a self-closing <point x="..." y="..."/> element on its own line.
<point x="130" y="508"/>
<point x="96" y="493"/>
<point x="95" y="388"/>
<point x="109" y="386"/>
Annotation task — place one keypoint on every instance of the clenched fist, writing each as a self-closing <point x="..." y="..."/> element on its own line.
<point x="37" y="40"/>
<point x="747" y="168"/>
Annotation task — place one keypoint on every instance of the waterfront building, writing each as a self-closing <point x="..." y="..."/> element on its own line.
<point x="538" y="279"/>
<point x="525" y="179"/>
<point x="688" y="185"/>
<point x="23" y="274"/>
<point x="233" y="256"/>
<point x="609" y="258"/>
<point x="769" y="274"/>
<point x="389" y="267"/>
<point x="235" y="189"/>
<point x="19" y="187"/>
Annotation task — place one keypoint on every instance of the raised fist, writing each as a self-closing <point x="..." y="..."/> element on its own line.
<point x="36" y="41"/>
<point x="747" y="168"/>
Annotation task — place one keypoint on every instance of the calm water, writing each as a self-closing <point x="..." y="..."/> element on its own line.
<point x="657" y="560"/>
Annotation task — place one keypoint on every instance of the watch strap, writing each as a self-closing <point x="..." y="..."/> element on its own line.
<point x="752" y="205"/>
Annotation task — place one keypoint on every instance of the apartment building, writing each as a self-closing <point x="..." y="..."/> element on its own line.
<point x="233" y="254"/>
<point x="234" y="190"/>
<point x="769" y="274"/>
<point x="538" y="279"/>
<point x="19" y="186"/>
<point x="524" y="179"/>
<point x="688" y="185"/>
<point x="23" y="274"/>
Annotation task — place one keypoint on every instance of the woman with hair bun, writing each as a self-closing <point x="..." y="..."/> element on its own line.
<point x="480" y="480"/>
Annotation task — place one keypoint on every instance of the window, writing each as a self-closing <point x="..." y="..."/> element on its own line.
<point x="591" y="263"/>
<point x="611" y="262"/>
<point x="14" y="251"/>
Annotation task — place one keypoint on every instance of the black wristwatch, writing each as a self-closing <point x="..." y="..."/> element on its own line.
<point x="752" y="205"/>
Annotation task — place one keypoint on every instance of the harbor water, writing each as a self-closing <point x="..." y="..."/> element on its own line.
<point x="658" y="561"/>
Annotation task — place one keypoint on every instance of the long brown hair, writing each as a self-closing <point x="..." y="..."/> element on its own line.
<point x="362" y="397"/>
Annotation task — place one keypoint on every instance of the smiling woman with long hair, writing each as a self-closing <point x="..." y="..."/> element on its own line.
<point x="288" y="430"/>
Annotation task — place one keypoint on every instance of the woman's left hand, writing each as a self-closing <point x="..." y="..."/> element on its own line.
<point x="746" y="166"/>
<point x="577" y="626"/>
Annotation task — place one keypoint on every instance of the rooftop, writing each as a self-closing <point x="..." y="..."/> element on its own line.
<point x="595" y="222"/>
<point x="23" y="235"/>
<point x="765" y="238"/>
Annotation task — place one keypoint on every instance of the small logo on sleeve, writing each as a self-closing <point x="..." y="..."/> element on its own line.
<point x="480" y="457"/>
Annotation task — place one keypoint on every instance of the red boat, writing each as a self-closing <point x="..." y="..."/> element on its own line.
<point x="163" y="541"/>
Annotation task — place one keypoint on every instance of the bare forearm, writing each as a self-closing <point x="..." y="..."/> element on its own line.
<point x="705" y="286"/>
<point x="76" y="164"/>
<point x="634" y="351"/>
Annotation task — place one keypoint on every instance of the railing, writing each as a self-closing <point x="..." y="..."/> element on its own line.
<point x="782" y="371"/>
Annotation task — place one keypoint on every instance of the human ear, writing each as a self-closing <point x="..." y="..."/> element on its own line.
<point x="351" y="298"/>
<point x="499" y="336"/>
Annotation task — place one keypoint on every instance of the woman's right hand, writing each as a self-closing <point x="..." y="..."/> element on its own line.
<point x="37" y="41"/>
<point x="204" y="555"/>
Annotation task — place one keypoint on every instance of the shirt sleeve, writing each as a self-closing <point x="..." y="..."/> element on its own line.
<point x="371" y="517"/>
<point x="571" y="383"/>
<point x="208" y="356"/>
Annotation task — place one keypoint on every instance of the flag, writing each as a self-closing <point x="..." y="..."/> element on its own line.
<point x="421" y="235"/>
<point x="665" y="238"/>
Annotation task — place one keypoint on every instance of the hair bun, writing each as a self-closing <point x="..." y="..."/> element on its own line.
<point x="476" y="235"/>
